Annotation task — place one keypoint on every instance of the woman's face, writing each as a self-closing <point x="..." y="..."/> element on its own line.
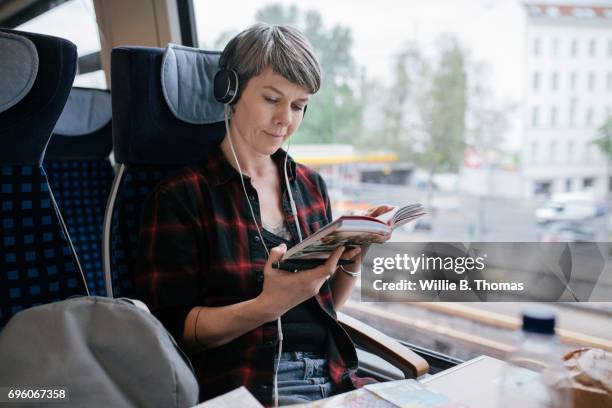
<point x="269" y="110"/>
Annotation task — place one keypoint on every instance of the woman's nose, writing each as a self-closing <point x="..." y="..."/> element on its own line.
<point x="283" y="116"/>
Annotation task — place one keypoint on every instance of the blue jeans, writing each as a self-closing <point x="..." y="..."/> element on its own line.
<point x="303" y="377"/>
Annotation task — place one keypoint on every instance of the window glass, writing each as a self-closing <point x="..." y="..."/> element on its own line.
<point x="414" y="86"/>
<point x="74" y="20"/>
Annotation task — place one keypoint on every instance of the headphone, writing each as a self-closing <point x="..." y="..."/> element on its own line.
<point x="226" y="86"/>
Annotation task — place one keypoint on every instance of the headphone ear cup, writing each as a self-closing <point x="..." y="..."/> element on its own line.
<point x="304" y="113"/>
<point x="225" y="86"/>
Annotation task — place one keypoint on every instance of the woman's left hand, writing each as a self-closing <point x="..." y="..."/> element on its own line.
<point x="378" y="210"/>
<point x="356" y="254"/>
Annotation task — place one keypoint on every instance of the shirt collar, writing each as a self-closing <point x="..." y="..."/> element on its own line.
<point x="221" y="171"/>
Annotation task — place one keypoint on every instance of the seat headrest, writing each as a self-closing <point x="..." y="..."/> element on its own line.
<point x="87" y="110"/>
<point x="152" y="123"/>
<point x="83" y="130"/>
<point x="18" y="69"/>
<point x="187" y="77"/>
<point x="25" y="127"/>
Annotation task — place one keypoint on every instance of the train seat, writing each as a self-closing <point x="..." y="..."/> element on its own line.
<point x="37" y="260"/>
<point x="156" y="130"/>
<point x="80" y="173"/>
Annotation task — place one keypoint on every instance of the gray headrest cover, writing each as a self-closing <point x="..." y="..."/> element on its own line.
<point x="86" y="111"/>
<point x="187" y="76"/>
<point x="18" y="68"/>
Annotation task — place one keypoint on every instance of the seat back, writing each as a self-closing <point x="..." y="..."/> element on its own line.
<point x="164" y="117"/>
<point x="37" y="261"/>
<point x="80" y="173"/>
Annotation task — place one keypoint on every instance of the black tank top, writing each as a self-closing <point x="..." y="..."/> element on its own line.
<point x="304" y="327"/>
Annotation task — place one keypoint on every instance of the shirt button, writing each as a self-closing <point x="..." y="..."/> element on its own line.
<point x="260" y="277"/>
<point x="269" y="342"/>
<point x="256" y="238"/>
<point x="252" y="197"/>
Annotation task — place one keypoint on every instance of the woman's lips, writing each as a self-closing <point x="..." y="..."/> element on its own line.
<point x="273" y="135"/>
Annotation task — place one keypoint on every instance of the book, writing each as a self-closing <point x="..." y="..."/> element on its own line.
<point x="353" y="230"/>
<point x="239" y="397"/>
<point x="411" y="394"/>
<point x="393" y="394"/>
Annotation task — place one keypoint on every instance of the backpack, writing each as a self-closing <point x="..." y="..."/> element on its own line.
<point x="104" y="352"/>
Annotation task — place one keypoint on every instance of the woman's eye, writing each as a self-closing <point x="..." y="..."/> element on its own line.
<point x="270" y="100"/>
<point x="298" y="108"/>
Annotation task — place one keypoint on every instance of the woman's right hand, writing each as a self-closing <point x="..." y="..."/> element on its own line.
<point x="282" y="290"/>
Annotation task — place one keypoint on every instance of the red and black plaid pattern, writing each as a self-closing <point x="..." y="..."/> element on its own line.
<point x="199" y="246"/>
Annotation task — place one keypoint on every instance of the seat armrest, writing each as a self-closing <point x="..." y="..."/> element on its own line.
<point x="387" y="348"/>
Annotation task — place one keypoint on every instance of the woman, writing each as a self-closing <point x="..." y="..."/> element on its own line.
<point x="209" y="237"/>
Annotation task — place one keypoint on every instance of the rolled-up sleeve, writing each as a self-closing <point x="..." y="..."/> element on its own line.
<point x="168" y="264"/>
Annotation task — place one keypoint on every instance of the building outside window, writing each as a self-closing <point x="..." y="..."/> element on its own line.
<point x="570" y="151"/>
<point x="535" y="81"/>
<point x="589" y="116"/>
<point x="572" y="112"/>
<point x="592" y="47"/>
<point x="588" y="182"/>
<point x="591" y="81"/>
<point x="574" y="48"/>
<point x="573" y="81"/>
<point x="553" y="116"/>
<point x="553" y="151"/>
<point x="536" y="47"/>
<point x="587" y="151"/>
<point x="535" y="119"/>
<point x="555" y="47"/>
<point x="609" y="81"/>
<point x="568" y="185"/>
<point x="554" y="81"/>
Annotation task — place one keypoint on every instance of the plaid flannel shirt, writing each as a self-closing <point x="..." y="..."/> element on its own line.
<point x="199" y="246"/>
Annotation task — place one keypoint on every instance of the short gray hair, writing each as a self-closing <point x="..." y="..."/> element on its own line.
<point x="285" y="49"/>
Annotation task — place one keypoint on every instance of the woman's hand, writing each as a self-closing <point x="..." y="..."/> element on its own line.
<point x="356" y="254"/>
<point x="282" y="290"/>
<point x="378" y="210"/>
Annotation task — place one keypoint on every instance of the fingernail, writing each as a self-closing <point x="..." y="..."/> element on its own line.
<point x="283" y="245"/>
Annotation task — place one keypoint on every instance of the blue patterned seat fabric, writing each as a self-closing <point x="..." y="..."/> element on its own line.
<point x="138" y="182"/>
<point x="80" y="173"/>
<point x="37" y="262"/>
<point x="81" y="189"/>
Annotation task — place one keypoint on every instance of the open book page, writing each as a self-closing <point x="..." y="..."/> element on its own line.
<point x="402" y="215"/>
<point x="347" y="230"/>
<point x="353" y="230"/>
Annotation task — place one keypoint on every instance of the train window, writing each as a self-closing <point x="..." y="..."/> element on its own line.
<point x="427" y="103"/>
<point x="74" y="20"/>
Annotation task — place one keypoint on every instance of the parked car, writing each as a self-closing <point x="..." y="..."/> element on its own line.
<point x="567" y="208"/>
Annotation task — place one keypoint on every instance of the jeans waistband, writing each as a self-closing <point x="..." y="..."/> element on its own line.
<point x="299" y="355"/>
